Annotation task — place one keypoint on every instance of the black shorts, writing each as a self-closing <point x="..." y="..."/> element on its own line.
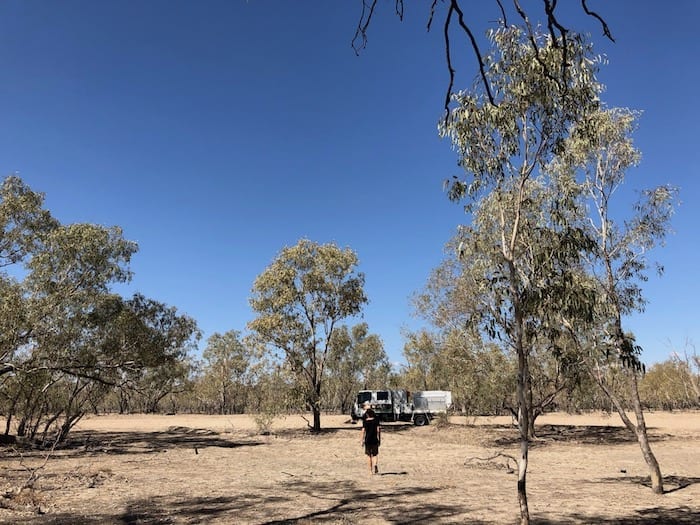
<point x="372" y="450"/>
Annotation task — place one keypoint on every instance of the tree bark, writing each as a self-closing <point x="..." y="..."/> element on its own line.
<point x="317" y="418"/>
<point x="639" y="430"/>
<point x="524" y="409"/>
<point x="657" y="481"/>
<point x="524" y="427"/>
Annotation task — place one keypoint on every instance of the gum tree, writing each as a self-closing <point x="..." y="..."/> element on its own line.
<point x="519" y="240"/>
<point x="227" y="370"/>
<point x="356" y="361"/>
<point x="299" y="301"/>
<point x="65" y="339"/>
<point x="600" y="151"/>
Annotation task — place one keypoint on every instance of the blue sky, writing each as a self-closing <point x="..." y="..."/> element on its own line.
<point x="215" y="133"/>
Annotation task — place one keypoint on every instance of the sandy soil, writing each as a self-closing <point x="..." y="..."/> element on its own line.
<point x="217" y="469"/>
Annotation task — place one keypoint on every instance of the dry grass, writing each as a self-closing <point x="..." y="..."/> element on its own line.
<point x="217" y="469"/>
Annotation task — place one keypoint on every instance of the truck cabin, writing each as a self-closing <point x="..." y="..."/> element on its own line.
<point x="388" y="405"/>
<point x="379" y="401"/>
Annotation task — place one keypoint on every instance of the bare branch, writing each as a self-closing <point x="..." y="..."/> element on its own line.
<point x="552" y="22"/>
<point x="450" y="69"/>
<point x="399" y="9"/>
<point x="503" y="12"/>
<point x="455" y="5"/>
<point x="361" y="31"/>
<point x="432" y="14"/>
<point x="606" y="30"/>
<point x="557" y="32"/>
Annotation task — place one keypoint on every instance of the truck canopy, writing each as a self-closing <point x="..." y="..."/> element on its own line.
<point x="432" y="401"/>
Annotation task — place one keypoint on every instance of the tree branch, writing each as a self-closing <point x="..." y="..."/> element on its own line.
<point x="454" y="5"/>
<point x="556" y="30"/>
<point x="361" y="31"/>
<point x="606" y="30"/>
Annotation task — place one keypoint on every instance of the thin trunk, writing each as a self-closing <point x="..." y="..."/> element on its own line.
<point x="524" y="410"/>
<point x="657" y="481"/>
<point x="317" y="418"/>
<point x="532" y="415"/>
<point x="639" y="430"/>
<point x="523" y="426"/>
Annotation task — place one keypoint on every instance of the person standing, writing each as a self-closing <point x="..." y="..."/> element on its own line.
<point x="371" y="439"/>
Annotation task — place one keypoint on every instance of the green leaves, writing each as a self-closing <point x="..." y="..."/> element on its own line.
<point x="299" y="299"/>
<point x="533" y="110"/>
<point x="63" y="333"/>
<point x="23" y="221"/>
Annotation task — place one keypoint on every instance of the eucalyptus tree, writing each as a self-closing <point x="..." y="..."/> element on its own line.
<point x="23" y="223"/>
<point x="227" y="370"/>
<point x="356" y="361"/>
<point x="519" y="246"/>
<point x="420" y="351"/>
<point x="68" y="290"/>
<point x="65" y="338"/>
<point x="476" y="373"/>
<point x="147" y="345"/>
<point x="599" y="152"/>
<point x="670" y="385"/>
<point x="299" y="300"/>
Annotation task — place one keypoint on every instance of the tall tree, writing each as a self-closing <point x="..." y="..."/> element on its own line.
<point x="65" y="337"/>
<point x="227" y="364"/>
<point x="519" y="241"/>
<point x="600" y="151"/>
<point x="23" y="223"/>
<point x="356" y="361"/>
<point x="152" y="343"/>
<point x="299" y="300"/>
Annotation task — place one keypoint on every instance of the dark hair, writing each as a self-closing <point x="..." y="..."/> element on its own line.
<point x="369" y="412"/>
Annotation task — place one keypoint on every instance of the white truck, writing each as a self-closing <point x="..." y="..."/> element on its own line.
<point x="401" y="405"/>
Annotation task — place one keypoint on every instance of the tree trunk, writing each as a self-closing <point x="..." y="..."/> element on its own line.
<point x="531" y="414"/>
<point x="317" y="418"/>
<point x="524" y="427"/>
<point x="523" y="419"/>
<point x="657" y="481"/>
<point x="639" y="430"/>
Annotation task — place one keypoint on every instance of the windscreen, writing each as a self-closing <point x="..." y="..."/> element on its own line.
<point x="363" y="396"/>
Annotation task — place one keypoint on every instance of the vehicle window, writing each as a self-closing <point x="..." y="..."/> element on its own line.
<point x="364" y="396"/>
<point x="382" y="396"/>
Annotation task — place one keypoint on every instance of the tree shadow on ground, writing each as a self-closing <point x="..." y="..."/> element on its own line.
<point x="347" y="502"/>
<point x="654" y="516"/>
<point x="506" y="435"/>
<point x="87" y="443"/>
<point x="671" y="483"/>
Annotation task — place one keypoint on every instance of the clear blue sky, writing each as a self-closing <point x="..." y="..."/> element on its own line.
<point x="215" y="133"/>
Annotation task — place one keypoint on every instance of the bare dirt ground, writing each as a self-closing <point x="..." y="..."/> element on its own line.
<point x="150" y="469"/>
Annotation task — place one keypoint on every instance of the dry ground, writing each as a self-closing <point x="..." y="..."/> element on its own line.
<point x="217" y="469"/>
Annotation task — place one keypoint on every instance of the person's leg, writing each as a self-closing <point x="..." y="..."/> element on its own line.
<point x="376" y="463"/>
<point x="369" y="461"/>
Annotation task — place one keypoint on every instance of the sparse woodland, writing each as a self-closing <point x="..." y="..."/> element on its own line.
<point x="71" y="347"/>
<point x="524" y="317"/>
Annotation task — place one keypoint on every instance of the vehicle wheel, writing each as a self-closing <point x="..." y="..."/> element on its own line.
<point x="420" y="420"/>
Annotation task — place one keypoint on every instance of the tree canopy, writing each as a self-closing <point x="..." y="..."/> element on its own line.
<point x="299" y="300"/>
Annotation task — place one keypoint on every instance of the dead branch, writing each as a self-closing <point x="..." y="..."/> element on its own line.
<point x="34" y="472"/>
<point x="558" y="32"/>
<point x="491" y="462"/>
<point x="606" y="30"/>
<point x="454" y="5"/>
<point x="308" y="423"/>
